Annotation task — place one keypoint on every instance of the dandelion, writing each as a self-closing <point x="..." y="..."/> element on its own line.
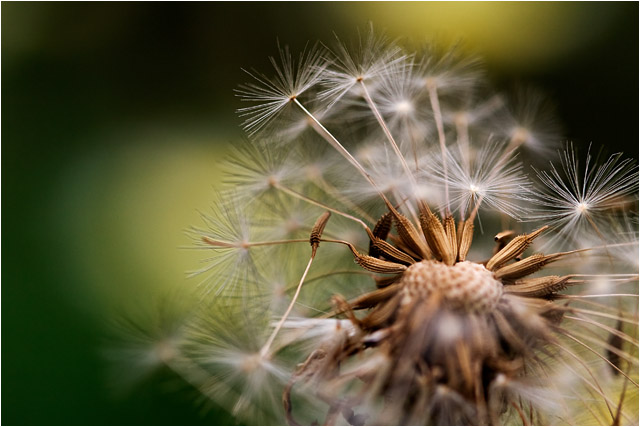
<point x="495" y="178"/>
<point x="401" y="311"/>
<point x="370" y="59"/>
<point x="581" y="201"/>
<point x="529" y="121"/>
<point x="292" y="79"/>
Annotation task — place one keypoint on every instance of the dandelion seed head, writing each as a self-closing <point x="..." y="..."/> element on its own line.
<point x="351" y="279"/>
<point x="467" y="286"/>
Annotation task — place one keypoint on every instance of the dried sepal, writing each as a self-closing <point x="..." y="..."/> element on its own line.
<point x="381" y="314"/>
<point x="374" y="264"/>
<point x="513" y="249"/>
<point x="537" y="287"/>
<point x="502" y="239"/>
<point x="436" y="236"/>
<point x="389" y="251"/>
<point x="381" y="231"/>
<point x="526" y="266"/>
<point x="343" y="307"/>
<point x="374" y="297"/>
<point x="409" y="235"/>
<point x="450" y="230"/>
<point x="465" y="237"/>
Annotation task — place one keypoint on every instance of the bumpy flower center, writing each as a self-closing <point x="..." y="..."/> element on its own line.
<point x="464" y="286"/>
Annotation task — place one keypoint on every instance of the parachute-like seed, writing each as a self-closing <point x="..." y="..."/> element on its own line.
<point x="271" y="95"/>
<point x="389" y="251"/>
<point x="409" y="234"/>
<point x="578" y="200"/>
<point x="370" y="58"/>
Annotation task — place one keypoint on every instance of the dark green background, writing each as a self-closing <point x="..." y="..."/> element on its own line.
<point x="113" y="118"/>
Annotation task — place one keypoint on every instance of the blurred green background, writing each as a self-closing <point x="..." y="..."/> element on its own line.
<point x="115" y="116"/>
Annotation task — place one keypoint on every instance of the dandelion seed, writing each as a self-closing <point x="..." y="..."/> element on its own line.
<point x="495" y="179"/>
<point x="580" y="202"/>
<point x="222" y="359"/>
<point x="529" y="121"/>
<point x="232" y="241"/>
<point x="372" y="57"/>
<point x="448" y="69"/>
<point x="271" y="96"/>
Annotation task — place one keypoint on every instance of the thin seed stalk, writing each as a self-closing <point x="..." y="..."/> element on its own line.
<point x="322" y="131"/>
<point x="265" y="349"/>
<point x="387" y="133"/>
<point x="435" y="105"/>
<point x="304" y="198"/>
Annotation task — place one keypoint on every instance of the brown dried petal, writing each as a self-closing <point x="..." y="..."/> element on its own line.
<point x="372" y="298"/>
<point x="465" y="231"/>
<point x="502" y="239"/>
<point x="305" y="371"/>
<point x="537" y="287"/>
<point x="389" y="251"/>
<point x="513" y="249"/>
<point x="374" y="264"/>
<point x="381" y="231"/>
<point x="384" y="281"/>
<point x="450" y="230"/>
<point x="409" y="235"/>
<point x="342" y="306"/>
<point x="508" y="333"/>
<point x="436" y="237"/>
<point x="381" y="314"/>
<point x="525" y="267"/>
